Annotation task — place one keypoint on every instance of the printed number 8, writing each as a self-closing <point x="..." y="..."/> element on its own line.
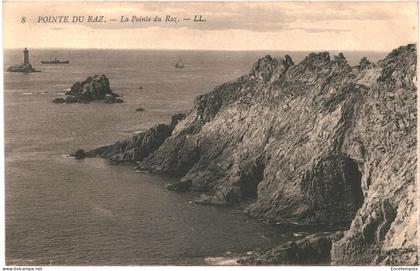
<point x="23" y="20"/>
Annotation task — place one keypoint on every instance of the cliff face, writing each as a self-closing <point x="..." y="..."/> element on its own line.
<point x="315" y="143"/>
<point x="139" y="146"/>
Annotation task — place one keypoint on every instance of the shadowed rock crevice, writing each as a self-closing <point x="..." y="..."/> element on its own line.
<point x="250" y="177"/>
<point x="333" y="191"/>
<point x="354" y="179"/>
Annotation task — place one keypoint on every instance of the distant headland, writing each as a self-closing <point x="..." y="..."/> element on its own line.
<point x="26" y="67"/>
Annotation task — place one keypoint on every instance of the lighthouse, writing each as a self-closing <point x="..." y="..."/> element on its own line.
<point x="26" y="67"/>
<point x="25" y="57"/>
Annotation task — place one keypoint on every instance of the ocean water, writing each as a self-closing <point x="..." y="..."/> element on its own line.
<point x="61" y="211"/>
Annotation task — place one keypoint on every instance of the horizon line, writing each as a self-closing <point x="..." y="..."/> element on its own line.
<point x="206" y="50"/>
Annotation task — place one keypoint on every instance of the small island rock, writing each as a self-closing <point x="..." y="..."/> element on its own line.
<point x="24" y="68"/>
<point x="93" y="88"/>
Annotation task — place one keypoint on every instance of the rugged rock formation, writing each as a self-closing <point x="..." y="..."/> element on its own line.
<point x="93" y="88"/>
<point x="112" y="99"/>
<point x="314" y="143"/>
<point x="23" y="68"/>
<point x="138" y="147"/>
<point x="313" y="249"/>
<point x="365" y="64"/>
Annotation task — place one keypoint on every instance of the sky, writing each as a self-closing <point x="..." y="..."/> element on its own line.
<point x="376" y="26"/>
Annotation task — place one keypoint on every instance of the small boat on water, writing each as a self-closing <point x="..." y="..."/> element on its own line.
<point x="179" y="64"/>
<point x="55" y="61"/>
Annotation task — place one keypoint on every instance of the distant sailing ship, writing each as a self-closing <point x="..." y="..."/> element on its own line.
<point x="179" y="64"/>
<point x="55" y="61"/>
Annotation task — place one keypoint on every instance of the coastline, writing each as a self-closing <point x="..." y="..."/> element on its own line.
<point x="210" y="140"/>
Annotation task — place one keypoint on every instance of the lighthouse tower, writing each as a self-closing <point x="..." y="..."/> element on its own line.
<point x="26" y="57"/>
<point x="25" y="67"/>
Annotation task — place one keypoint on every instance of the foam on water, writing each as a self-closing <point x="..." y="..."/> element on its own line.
<point x="222" y="260"/>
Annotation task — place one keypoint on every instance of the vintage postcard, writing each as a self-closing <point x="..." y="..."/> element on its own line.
<point x="210" y="133"/>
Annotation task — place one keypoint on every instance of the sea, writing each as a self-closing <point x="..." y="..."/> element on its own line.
<point x="62" y="211"/>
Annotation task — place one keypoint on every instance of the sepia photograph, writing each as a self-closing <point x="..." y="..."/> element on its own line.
<point x="199" y="133"/>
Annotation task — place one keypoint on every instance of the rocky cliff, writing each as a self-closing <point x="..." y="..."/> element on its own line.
<point x="93" y="88"/>
<point x="139" y="146"/>
<point x="317" y="143"/>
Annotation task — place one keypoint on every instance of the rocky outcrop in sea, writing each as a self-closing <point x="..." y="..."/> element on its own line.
<point x="22" y="68"/>
<point x="93" y="88"/>
<point x="318" y="143"/>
